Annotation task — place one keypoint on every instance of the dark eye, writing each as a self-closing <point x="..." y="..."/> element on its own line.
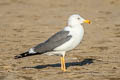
<point x="78" y="18"/>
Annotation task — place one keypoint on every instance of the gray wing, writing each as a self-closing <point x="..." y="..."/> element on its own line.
<point x="54" y="41"/>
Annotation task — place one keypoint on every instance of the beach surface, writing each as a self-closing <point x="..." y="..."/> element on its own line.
<point x="25" y="23"/>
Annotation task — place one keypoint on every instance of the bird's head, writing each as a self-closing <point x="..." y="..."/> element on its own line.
<point x="76" y="19"/>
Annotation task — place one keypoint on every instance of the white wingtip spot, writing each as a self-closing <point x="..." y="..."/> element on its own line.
<point x="32" y="50"/>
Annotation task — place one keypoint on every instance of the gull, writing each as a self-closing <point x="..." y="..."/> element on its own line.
<point x="61" y="42"/>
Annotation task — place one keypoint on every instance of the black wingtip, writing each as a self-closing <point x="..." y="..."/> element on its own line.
<point x="17" y="57"/>
<point x="25" y="54"/>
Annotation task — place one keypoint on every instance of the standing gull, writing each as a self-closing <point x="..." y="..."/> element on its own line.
<point x="61" y="42"/>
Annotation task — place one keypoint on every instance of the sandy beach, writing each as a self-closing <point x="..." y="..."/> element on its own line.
<point x="25" y="23"/>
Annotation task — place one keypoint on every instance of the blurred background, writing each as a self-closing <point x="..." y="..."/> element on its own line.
<point x="25" y="23"/>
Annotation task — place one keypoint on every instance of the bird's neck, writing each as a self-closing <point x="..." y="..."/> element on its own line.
<point x="77" y="26"/>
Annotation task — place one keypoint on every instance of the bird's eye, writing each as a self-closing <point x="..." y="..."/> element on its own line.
<point x="78" y="18"/>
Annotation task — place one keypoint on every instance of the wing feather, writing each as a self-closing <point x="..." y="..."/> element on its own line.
<point x="54" y="41"/>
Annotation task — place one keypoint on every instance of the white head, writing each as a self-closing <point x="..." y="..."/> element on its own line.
<point x="76" y="19"/>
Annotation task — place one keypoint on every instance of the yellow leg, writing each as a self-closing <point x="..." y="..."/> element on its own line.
<point x="63" y="67"/>
<point x="61" y="63"/>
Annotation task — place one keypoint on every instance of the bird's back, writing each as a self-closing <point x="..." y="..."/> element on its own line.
<point x="77" y="35"/>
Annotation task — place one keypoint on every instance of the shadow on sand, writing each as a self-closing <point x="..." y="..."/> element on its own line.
<point x="68" y="64"/>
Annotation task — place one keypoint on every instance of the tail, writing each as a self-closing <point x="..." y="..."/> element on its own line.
<point x="25" y="54"/>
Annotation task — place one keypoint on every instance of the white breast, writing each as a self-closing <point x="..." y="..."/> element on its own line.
<point x="77" y="35"/>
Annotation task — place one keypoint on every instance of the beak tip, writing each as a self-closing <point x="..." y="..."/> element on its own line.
<point x="87" y="21"/>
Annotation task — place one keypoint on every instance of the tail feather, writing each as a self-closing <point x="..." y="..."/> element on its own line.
<point x="25" y="54"/>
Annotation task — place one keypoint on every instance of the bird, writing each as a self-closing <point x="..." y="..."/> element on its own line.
<point x="61" y="42"/>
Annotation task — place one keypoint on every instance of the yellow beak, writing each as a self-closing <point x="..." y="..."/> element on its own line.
<point x="87" y="21"/>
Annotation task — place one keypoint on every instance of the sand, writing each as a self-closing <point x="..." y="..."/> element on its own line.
<point x="25" y="23"/>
